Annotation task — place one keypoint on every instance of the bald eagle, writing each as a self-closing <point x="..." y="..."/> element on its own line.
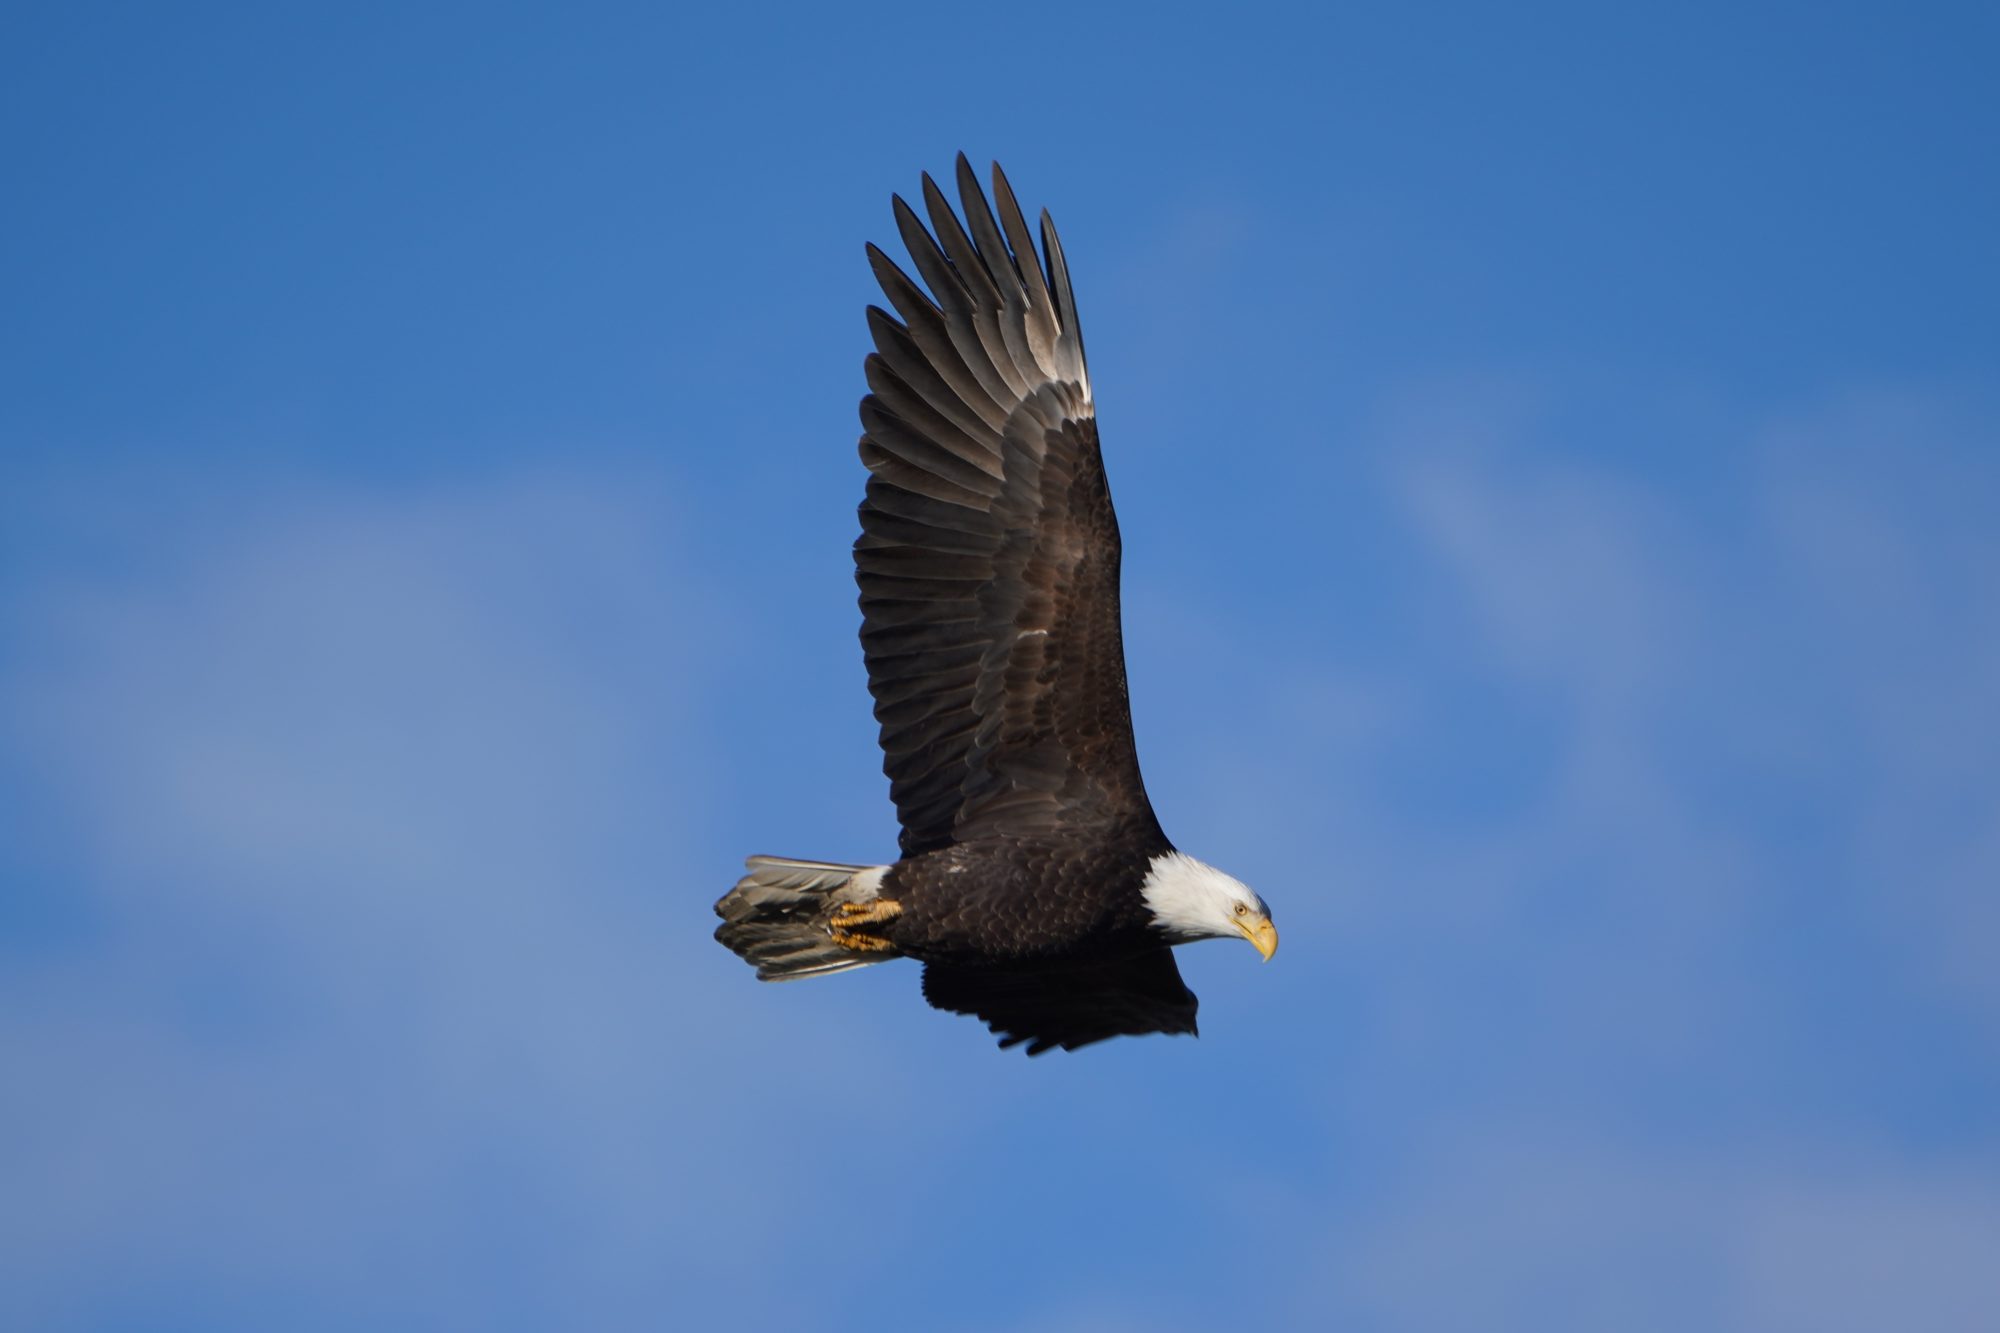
<point x="1034" y="882"/>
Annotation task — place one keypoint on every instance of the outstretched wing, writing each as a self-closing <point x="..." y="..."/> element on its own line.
<point x="1068" y="1006"/>
<point x="988" y="557"/>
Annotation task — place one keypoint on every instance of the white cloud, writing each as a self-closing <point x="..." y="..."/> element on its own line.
<point x="1507" y="1227"/>
<point x="391" y="841"/>
<point x="1745" y="858"/>
<point x="1824" y="639"/>
<point x="1857" y="1251"/>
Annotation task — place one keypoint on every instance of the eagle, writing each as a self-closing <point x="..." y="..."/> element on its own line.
<point x="1034" y="882"/>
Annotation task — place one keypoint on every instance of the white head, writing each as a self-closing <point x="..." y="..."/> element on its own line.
<point x="1191" y="900"/>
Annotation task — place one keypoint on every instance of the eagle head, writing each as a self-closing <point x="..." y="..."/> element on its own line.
<point x="1191" y="900"/>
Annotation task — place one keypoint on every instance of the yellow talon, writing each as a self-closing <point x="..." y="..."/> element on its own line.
<point x="849" y="915"/>
<point x="851" y="924"/>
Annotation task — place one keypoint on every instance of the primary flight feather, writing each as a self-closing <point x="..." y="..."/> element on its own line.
<point x="1034" y="882"/>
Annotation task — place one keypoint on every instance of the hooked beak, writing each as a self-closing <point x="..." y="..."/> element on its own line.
<point x="1263" y="936"/>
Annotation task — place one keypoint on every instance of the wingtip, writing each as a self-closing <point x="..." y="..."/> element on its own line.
<point x="969" y="187"/>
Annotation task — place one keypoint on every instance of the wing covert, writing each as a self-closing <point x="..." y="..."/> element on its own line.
<point x="1070" y="1005"/>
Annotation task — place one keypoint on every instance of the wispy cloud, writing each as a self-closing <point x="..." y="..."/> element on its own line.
<point x="1715" y="934"/>
<point x="1507" y="1228"/>
<point x="382" y="812"/>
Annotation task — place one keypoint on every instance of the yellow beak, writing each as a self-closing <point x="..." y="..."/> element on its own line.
<point x="1261" y="934"/>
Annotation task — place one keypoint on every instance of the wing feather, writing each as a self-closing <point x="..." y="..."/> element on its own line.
<point x="893" y="471"/>
<point x="1011" y="316"/>
<point x="1040" y="325"/>
<point x="1069" y="348"/>
<point x="967" y="322"/>
<point x="903" y="365"/>
<point x="945" y="454"/>
<point x="944" y="344"/>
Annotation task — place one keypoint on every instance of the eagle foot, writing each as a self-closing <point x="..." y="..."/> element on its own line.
<point x="852" y="925"/>
<point x="849" y="916"/>
<point x="860" y="943"/>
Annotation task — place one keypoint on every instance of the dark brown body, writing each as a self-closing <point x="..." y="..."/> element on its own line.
<point x="1025" y="899"/>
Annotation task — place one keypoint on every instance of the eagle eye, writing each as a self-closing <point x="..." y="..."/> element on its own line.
<point x="1242" y="909"/>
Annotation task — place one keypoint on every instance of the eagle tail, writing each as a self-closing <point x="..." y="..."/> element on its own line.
<point x="777" y="917"/>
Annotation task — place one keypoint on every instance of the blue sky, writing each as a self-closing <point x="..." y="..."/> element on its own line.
<point x="1559" y="457"/>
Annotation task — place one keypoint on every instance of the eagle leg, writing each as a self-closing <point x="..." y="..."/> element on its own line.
<point x="853" y="925"/>
<point x="847" y="916"/>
